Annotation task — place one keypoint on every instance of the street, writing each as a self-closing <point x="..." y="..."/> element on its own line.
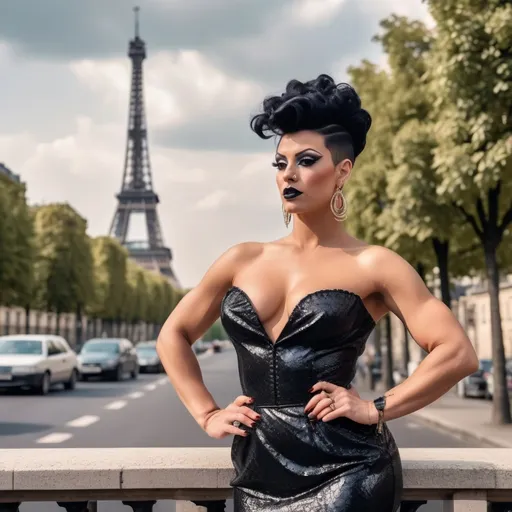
<point x="145" y="412"/>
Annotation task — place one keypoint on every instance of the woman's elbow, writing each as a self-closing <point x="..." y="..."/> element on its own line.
<point x="467" y="360"/>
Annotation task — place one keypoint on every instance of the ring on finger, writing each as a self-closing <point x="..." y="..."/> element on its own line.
<point x="236" y="424"/>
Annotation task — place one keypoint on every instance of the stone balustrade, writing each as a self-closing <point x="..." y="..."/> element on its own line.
<point x="467" y="480"/>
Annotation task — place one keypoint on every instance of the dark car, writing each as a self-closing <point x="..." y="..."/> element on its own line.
<point x="109" y="358"/>
<point x="149" y="361"/>
<point x="476" y="384"/>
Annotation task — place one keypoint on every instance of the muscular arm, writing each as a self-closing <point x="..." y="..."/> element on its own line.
<point x="432" y="325"/>
<point x="194" y="314"/>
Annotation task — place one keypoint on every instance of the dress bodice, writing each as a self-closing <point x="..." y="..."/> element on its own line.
<point x="323" y="337"/>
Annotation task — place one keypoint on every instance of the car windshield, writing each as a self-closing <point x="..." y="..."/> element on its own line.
<point x="146" y="350"/>
<point x="21" y="347"/>
<point x="485" y="365"/>
<point x="103" y="347"/>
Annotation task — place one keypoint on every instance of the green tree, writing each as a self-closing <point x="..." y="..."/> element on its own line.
<point x="415" y="208"/>
<point x="110" y="280"/>
<point x="17" y="246"/>
<point x="63" y="269"/>
<point x="215" y="332"/>
<point x="135" y="304"/>
<point x="471" y="75"/>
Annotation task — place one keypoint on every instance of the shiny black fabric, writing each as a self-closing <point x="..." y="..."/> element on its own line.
<point x="289" y="463"/>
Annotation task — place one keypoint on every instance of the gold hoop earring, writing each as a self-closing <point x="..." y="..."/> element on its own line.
<point x="287" y="217"/>
<point x="339" y="205"/>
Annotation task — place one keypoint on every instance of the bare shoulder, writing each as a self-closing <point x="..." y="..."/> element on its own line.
<point x="223" y="271"/>
<point x="241" y="253"/>
<point x="401" y="289"/>
<point x="385" y="267"/>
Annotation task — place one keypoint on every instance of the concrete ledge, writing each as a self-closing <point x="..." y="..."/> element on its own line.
<point x="139" y="469"/>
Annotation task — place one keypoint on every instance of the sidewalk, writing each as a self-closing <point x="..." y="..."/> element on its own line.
<point x="468" y="417"/>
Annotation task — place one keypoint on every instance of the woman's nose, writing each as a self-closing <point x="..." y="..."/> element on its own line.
<point x="289" y="173"/>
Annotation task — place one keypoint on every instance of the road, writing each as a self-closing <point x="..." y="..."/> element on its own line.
<point x="146" y="412"/>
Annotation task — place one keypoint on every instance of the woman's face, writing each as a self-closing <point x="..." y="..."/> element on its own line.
<point x="306" y="174"/>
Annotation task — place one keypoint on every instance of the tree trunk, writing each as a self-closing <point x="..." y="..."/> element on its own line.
<point x="387" y="355"/>
<point x="441" y="248"/>
<point x="406" y="355"/>
<point x="420" y="268"/>
<point x="78" y="326"/>
<point x="27" y="319"/>
<point x="501" y="403"/>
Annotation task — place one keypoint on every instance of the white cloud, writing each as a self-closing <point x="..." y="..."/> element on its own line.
<point x="412" y="9"/>
<point x="213" y="200"/>
<point x="314" y="12"/>
<point x="64" y="124"/>
<point x="178" y="86"/>
<point x="84" y="168"/>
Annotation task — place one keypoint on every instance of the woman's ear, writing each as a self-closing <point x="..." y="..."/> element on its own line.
<point x="343" y="170"/>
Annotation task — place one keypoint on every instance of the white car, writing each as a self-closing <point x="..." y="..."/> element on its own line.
<point x="37" y="362"/>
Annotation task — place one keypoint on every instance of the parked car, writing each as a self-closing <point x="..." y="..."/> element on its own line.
<point x="149" y="361"/>
<point x="490" y="380"/>
<point x="109" y="358"/>
<point x="37" y="362"/>
<point x="476" y="384"/>
<point x="200" y="346"/>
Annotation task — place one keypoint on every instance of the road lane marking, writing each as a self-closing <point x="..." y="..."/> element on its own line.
<point x="83" y="421"/>
<point x="163" y="381"/>
<point x="115" y="406"/>
<point x="56" y="437"/>
<point x="137" y="394"/>
<point x="150" y="387"/>
<point x="412" y="425"/>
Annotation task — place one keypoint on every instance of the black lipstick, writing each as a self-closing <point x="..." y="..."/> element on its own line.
<point x="291" y="193"/>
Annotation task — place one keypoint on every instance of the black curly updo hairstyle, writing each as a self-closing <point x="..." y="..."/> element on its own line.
<point x="330" y="109"/>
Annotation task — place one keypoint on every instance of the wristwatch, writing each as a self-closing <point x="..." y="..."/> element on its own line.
<point x="380" y="404"/>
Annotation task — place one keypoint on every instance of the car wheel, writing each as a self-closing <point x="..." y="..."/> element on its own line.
<point x="71" y="383"/>
<point x="135" y="372"/>
<point x="44" y="387"/>
<point x="119" y="373"/>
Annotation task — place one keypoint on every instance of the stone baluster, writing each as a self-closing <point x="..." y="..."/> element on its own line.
<point x="201" y="506"/>
<point x="411" y="506"/>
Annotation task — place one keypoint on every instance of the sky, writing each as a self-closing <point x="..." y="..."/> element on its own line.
<point x="64" y="88"/>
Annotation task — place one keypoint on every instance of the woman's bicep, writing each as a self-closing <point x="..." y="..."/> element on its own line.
<point x="429" y="320"/>
<point x="200" y="307"/>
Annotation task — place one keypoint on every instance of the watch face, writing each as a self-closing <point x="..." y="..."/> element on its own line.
<point x="380" y="402"/>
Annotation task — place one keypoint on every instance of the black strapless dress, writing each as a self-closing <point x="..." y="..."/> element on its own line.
<point x="289" y="463"/>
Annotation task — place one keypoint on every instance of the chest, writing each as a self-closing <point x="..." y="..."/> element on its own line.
<point x="276" y="286"/>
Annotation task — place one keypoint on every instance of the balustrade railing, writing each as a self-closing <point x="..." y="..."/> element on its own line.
<point x="466" y="480"/>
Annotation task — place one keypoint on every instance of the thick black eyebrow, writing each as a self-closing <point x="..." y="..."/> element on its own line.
<point x="300" y="153"/>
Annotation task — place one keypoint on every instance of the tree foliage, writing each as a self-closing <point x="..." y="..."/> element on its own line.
<point x="470" y="69"/>
<point x="110" y="282"/>
<point x="17" y="248"/>
<point x="63" y="268"/>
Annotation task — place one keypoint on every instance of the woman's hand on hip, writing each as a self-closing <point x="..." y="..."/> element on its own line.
<point x="219" y="423"/>
<point x="333" y="401"/>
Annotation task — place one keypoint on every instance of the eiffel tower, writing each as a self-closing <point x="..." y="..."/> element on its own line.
<point x="137" y="194"/>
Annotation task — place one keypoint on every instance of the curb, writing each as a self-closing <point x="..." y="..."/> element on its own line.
<point x="453" y="428"/>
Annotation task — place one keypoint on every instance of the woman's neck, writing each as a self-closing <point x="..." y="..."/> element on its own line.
<point x="318" y="229"/>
